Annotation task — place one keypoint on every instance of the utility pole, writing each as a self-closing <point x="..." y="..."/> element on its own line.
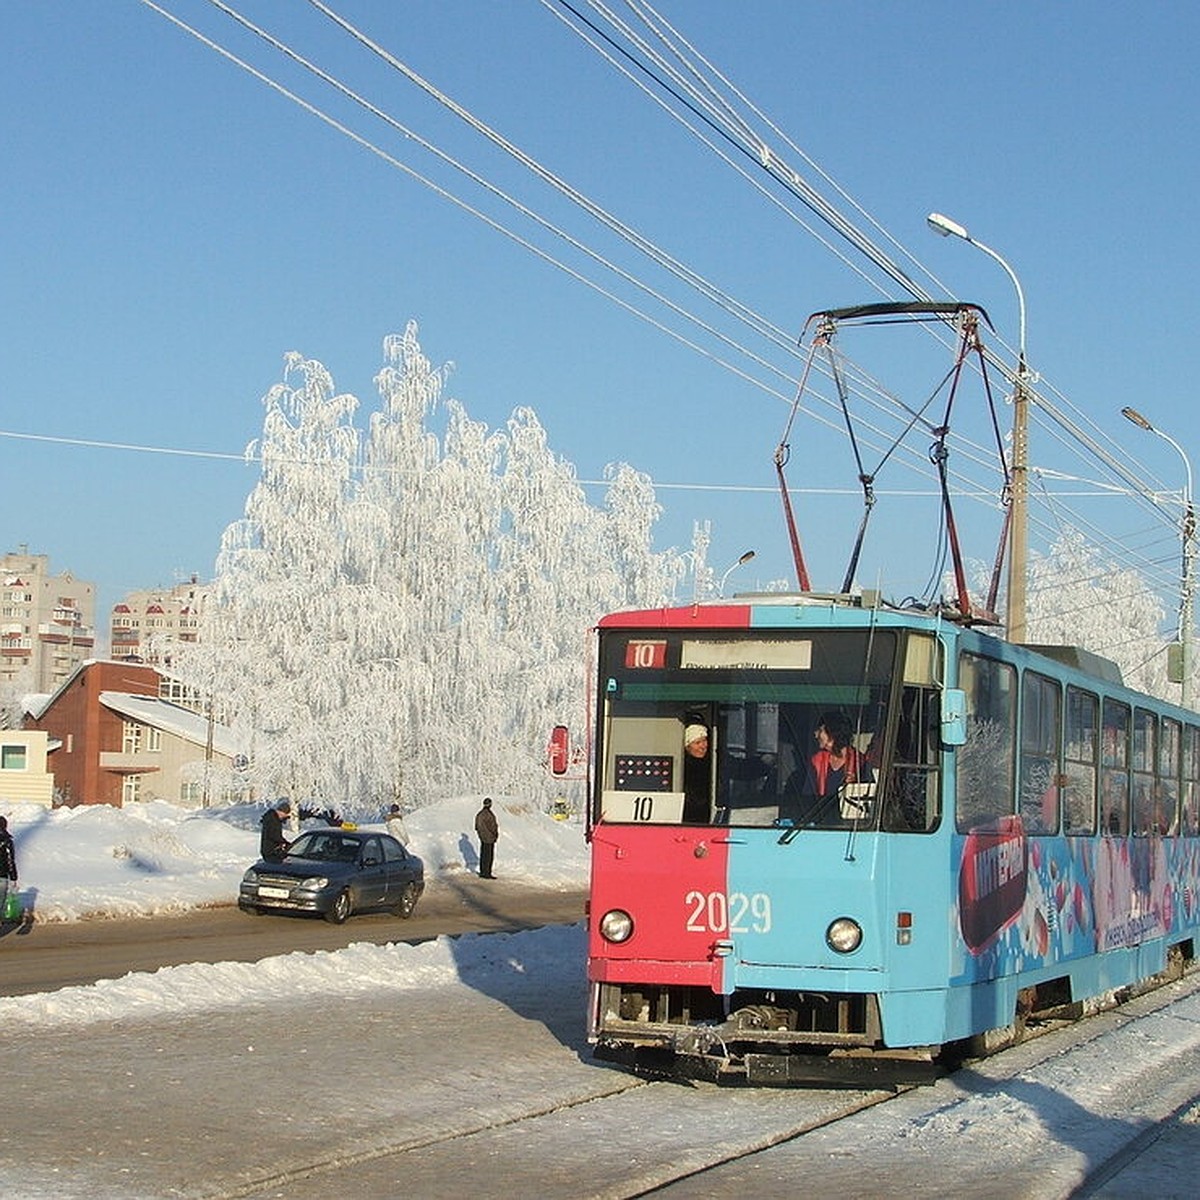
<point x="1018" y="525"/>
<point x="1187" y="585"/>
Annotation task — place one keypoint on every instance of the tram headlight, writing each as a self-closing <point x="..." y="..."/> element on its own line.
<point x="616" y="925"/>
<point x="844" y="935"/>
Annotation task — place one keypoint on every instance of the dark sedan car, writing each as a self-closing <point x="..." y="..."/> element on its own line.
<point x="335" y="872"/>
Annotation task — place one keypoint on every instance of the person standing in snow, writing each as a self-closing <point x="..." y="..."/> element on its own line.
<point x="8" y="864"/>
<point x="395" y="825"/>
<point x="274" y="845"/>
<point x="488" y="832"/>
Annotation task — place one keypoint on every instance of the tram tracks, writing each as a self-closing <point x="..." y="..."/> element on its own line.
<point x="656" y="1133"/>
<point x="614" y="1136"/>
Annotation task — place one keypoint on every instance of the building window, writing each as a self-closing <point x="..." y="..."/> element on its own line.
<point x="14" y="758"/>
<point x="131" y="789"/>
<point x="131" y="738"/>
<point x="153" y="738"/>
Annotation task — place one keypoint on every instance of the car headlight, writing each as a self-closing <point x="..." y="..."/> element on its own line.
<point x="251" y="876"/>
<point x="616" y="925"/>
<point x="314" y="883"/>
<point x="844" y="935"/>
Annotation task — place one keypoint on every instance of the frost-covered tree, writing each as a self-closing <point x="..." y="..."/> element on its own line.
<point x="403" y="613"/>
<point x="1077" y="598"/>
<point x="12" y="697"/>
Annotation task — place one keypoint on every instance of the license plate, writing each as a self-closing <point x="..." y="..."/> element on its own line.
<point x="273" y="893"/>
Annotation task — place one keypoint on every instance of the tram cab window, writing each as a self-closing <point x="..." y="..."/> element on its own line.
<point x="984" y="779"/>
<point x="1114" y="769"/>
<point x="1041" y="725"/>
<point x="912" y="802"/>
<point x="1081" y="754"/>
<point x="759" y="696"/>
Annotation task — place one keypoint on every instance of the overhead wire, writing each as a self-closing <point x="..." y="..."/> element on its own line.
<point x="713" y="294"/>
<point x="1057" y="420"/>
<point x="687" y="275"/>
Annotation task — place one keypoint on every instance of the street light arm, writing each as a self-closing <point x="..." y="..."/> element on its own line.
<point x="743" y="558"/>
<point x="944" y="226"/>
<point x="1020" y="295"/>
<point x="1132" y="414"/>
<point x="1187" y="464"/>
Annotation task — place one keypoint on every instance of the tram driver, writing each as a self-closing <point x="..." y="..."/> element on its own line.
<point x="697" y="775"/>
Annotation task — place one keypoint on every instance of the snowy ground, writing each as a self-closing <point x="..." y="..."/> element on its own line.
<point x="96" y="862"/>
<point x="1034" y="1123"/>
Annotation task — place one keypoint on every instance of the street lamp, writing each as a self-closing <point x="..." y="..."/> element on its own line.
<point x="745" y="558"/>
<point x="1189" y="560"/>
<point x="1019" y="519"/>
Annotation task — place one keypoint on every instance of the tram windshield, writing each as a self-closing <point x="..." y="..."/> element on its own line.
<point x="760" y="728"/>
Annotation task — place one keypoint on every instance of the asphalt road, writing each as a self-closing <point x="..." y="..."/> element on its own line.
<point x="42" y="957"/>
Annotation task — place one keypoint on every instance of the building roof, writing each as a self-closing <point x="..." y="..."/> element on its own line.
<point x="171" y="718"/>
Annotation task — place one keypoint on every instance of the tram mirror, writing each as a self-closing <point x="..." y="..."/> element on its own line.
<point x="954" y="717"/>
<point x="559" y="750"/>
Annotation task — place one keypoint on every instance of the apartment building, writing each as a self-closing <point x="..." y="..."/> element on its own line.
<point x="47" y="622"/>
<point x="146" y="626"/>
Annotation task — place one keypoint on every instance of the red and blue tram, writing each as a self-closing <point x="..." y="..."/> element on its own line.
<point x="896" y="835"/>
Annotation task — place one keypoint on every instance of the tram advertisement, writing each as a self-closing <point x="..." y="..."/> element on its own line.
<point x="1026" y="901"/>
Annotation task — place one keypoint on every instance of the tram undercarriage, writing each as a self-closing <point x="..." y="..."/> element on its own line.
<point x="763" y="1037"/>
<point x="781" y="1038"/>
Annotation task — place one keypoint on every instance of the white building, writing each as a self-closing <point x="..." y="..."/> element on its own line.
<point x="147" y="625"/>
<point x="47" y="622"/>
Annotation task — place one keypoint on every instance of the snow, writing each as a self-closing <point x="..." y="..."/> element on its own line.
<point x="98" y="861"/>
<point x="1043" y="1117"/>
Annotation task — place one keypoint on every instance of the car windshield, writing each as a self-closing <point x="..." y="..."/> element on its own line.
<point x="325" y="847"/>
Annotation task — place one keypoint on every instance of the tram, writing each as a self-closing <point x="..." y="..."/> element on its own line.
<point x="1018" y="833"/>
<point x="839" y="839"/>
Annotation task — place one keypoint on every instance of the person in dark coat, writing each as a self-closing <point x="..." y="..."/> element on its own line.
<point x="8" y="864"/>
<point x="488" y="832"/>
<point x="274" y="845"/>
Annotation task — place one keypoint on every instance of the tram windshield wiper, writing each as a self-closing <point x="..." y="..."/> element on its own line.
<point x="790" y="830"/>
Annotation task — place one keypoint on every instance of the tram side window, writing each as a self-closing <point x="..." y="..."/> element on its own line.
<point x="1114" y="769"/>
<point x="1189" y="817"/>
<point x="1081" y="755"/>
<point x="1166" y="813"/>
<point x="984" y="777"/>
<point x="1041" y="734"/>
<point x="912" y="802"/>
<point x="1145" y="757"/>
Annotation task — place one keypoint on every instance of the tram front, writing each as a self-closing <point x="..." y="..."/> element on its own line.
<point x="748" y="758"/>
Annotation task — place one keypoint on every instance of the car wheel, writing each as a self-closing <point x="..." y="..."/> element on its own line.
<point x="408" y="901"/>
<point x="340" y="909"/>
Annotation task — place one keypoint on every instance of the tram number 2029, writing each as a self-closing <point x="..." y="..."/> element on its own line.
<point x="714" y="912"/>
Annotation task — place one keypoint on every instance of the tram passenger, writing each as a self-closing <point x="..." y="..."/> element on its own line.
<point x="697" y="775"/>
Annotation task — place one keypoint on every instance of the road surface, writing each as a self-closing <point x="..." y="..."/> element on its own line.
<point x="43" y="957"/>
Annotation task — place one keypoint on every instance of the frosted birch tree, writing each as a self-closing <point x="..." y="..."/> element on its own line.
<point x="402" y="614"/>
<point x="1077" y="598"/>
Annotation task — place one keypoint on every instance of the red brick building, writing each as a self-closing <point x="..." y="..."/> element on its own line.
<point x="85" y="762"/>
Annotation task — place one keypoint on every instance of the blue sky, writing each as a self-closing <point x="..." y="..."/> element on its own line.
<point x="170" y="228"/>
